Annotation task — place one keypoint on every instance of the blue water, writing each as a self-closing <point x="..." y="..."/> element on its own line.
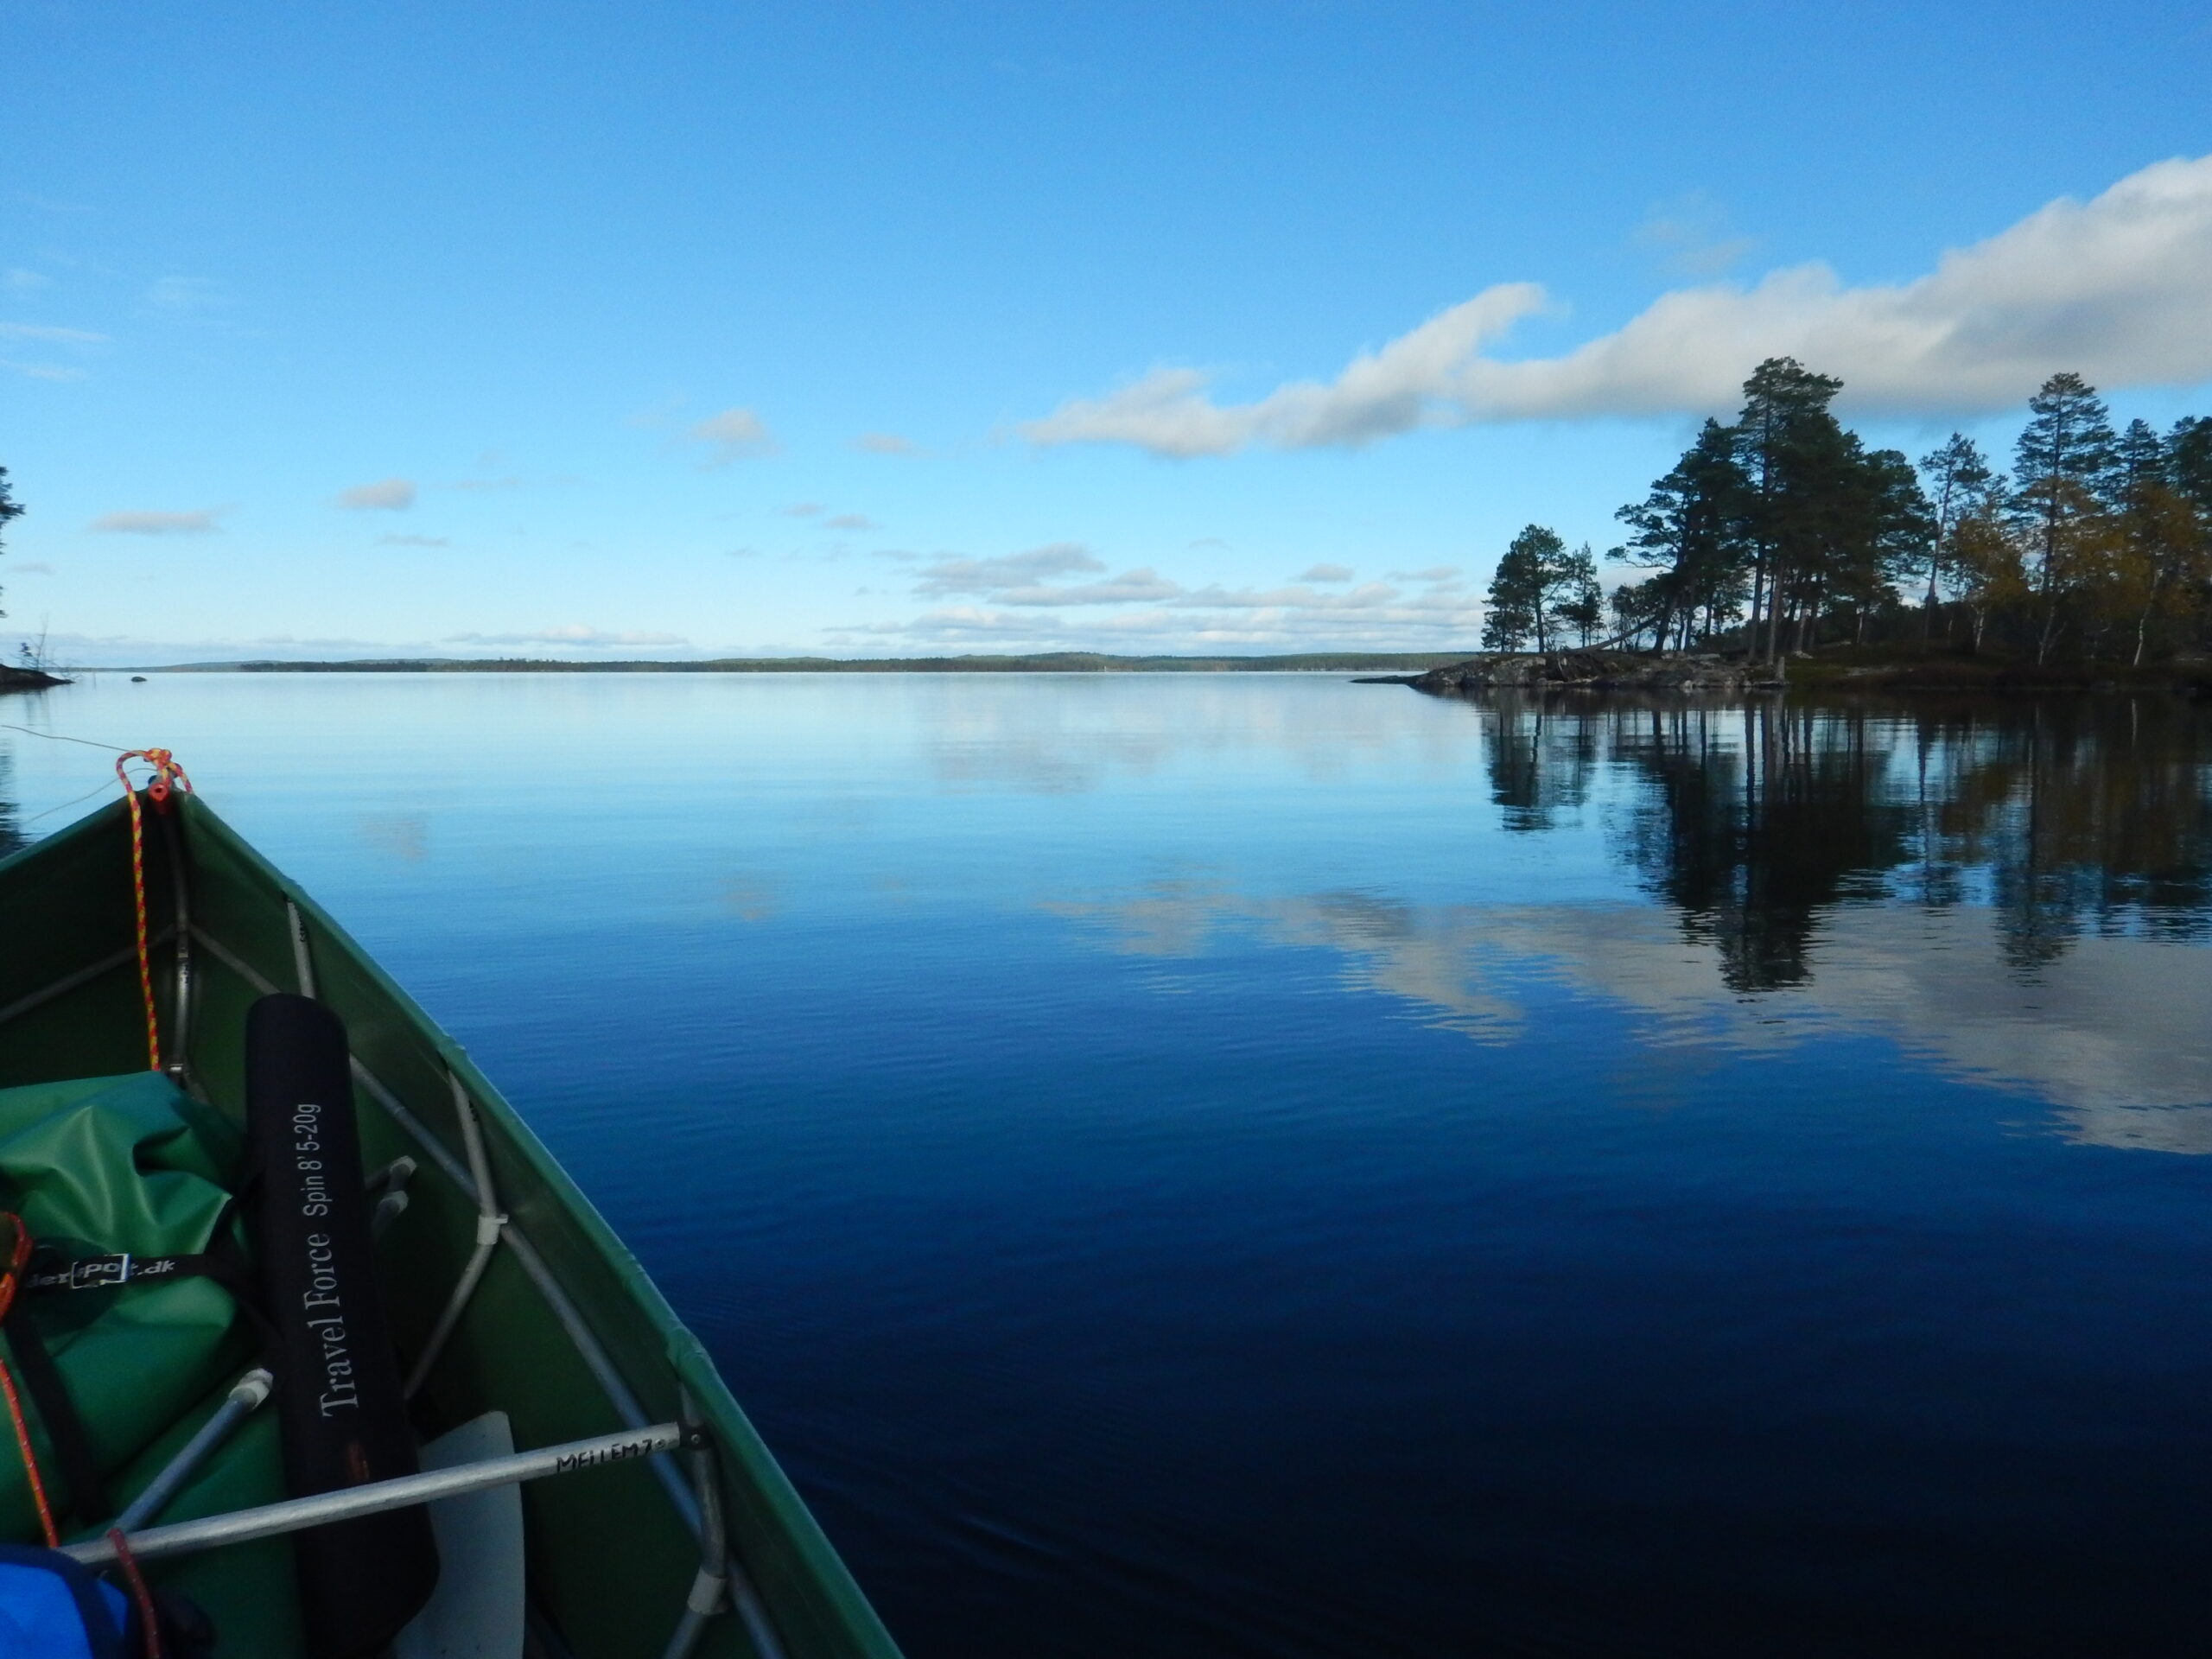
<point x="1260" y="1165"/>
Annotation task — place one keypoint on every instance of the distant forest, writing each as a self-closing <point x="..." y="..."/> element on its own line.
<point x="1051" y="662"/>
<point x="1784" y="531"/>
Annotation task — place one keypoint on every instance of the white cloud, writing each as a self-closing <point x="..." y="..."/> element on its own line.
<point x="1691" y="233"/>
<point x="572" y="634"/>
<point x="117" y="649"/>
<point x="17" y="280"/>
<point x="1023" y="579"/>
<point x="885" y="443"/>
<point x="803" y="510"/>
<point x="186" y="296"/>
<point x="40" y="371"/>
<point x="34" y="567"/>
<point x="957" y="622"/>
<point x="45" y="334"/>
<point x="387" y="495"/>
<point x="849" y="521"/>
<point x="1021" y="598"/>
<point x="948" y="576"/>
<point x="2106" y="1035"/>
<point x="2115" y="288"/>
<point x="581" y="642"/>
<point x="1380" y="393"/>
<point x="1367" y="597"/>
<point x="1131" y="587"/>
<point x="1178" y="630"/>
<point x="734" y="435"/>
<point x="199" y="522"/>
<point x="413" y="541"/>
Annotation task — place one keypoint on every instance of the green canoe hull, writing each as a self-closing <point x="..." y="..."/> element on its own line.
<point x="565" y="1332"/>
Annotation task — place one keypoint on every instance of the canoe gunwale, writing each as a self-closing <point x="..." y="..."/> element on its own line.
<point x="181" y="991"/>
<point x="819" y="1612"/>
<point x="587" y="1345"/>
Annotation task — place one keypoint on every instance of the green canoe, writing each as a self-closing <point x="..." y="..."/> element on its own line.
<point x="563" y="1332"/>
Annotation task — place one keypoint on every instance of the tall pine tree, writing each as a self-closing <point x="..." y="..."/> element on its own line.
<point x="2063" y="473"/>
<point x="1692" y="527"/>
<point x="2159" y="562"/>
<point x="1524" y="592"/>
<point x="2189" y="462"/>
<point x="1792" y="453"/>
<point x="1581" y="604"/>
<point x="1956" y="477"/>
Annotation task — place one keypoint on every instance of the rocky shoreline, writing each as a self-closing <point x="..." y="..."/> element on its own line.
<point x="1622" y="670"/>
<point x="1592" y="670"/>
<point x="27" y="679"/>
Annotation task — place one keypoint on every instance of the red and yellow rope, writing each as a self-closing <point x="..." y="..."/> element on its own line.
<point x="10" y="1273"/>
<point x="168" y="777"/>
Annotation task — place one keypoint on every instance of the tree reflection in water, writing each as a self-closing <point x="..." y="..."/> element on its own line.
<point x="12" y="830"/>
<point x="1757" y="819"/>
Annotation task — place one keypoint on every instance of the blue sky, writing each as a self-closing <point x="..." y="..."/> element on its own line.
<point x="596" y="330"/>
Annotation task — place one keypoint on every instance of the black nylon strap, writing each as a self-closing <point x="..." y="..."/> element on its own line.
<point x="88" y="1492"/>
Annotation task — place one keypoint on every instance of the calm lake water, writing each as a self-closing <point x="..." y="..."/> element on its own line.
<point x="1226" y="1165"/>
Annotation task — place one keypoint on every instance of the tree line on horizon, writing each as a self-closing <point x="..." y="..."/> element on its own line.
<point x="1783" y="531"/>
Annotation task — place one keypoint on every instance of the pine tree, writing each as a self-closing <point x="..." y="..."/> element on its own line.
<point x="2160" y="546"/>
<point x="1509" y="616"/>
<point x="1582" y="603"/>
<point x="1636" y="607"/>
<point x="1957" y="476"/>
<point x="1691" y="526"/>
<point x="1791" y="450"/>
<point x="1525" y="591"/>
<point x="1886" y="534"/>
<point x="2063" y="476"/>
<point x="2189" y="462"/>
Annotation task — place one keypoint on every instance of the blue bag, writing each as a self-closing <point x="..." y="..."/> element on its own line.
<point x="52" y="1607"/>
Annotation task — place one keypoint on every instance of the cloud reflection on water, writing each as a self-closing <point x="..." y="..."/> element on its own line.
<point x="1078" y="734"/>
<point x="2113" y="1034"/>
<point x="2017" y="893"/>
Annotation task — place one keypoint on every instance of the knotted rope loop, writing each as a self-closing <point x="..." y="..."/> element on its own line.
<point x="168" y="777"/>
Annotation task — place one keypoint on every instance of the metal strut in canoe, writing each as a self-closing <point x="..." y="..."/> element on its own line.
<point x="698" y="1502"/>
<point x="84" y="976"/>
<point x="244" y="1398"/>
<point x="297" y="1514"/>
<point x="295" y="928"/>
<point x="180" y="1065"/>
<point x="490" y="1222"/>
<point x="712" y="1583"/>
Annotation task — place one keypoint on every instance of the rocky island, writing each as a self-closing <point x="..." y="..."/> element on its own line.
<point x="1594" y="670"/>
<point x="27" y="679"/>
